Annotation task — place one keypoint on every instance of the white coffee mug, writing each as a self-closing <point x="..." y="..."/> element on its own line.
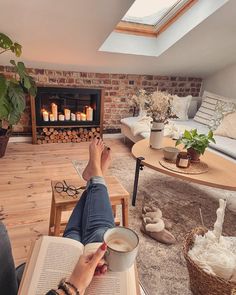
<point x="122" y="248"/>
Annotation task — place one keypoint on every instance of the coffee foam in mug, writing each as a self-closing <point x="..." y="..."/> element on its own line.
<point x="119" y="245"/>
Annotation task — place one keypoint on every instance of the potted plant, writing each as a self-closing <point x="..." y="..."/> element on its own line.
<point x="195" y="143"/>
<point x="12" y="92"/>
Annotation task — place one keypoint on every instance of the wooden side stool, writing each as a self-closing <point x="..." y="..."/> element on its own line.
<point x="62" y="202"/>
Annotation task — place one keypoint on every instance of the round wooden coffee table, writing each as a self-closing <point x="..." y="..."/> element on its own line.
<point x="221" y="173"/>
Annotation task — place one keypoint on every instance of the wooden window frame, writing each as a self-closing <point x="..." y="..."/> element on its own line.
<point x="131" y="28"/>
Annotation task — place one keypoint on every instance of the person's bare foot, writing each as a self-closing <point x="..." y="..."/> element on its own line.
<point x="105" y="159"/>
<point x="93" y="167"/>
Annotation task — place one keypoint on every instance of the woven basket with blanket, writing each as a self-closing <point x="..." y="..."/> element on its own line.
<point x="201" y="282"/>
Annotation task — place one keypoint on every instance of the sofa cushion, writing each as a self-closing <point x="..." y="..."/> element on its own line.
<point x="180" y="106"/>
<point x="222" y="108"/>
<point x="191" y="124"/>
<point x="225" y="145"/>
<point x="227" y="127"/>
<point x="207" y="108"/>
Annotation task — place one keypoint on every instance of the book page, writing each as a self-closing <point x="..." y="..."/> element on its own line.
<point x="115" y="283"/>
<point x="111" y="283"/>
<point x="56" y="259"/>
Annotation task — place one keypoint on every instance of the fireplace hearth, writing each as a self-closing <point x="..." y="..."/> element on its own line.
<point x="66" y="110"/>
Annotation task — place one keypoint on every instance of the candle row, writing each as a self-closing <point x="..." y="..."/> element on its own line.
<point x="73" y="117"/>
<point x="68" y="115"/>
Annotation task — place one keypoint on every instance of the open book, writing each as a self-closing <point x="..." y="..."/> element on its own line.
<point x="53" y="258"/>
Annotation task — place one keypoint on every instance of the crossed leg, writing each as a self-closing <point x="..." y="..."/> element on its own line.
<point x="92" y="214"/>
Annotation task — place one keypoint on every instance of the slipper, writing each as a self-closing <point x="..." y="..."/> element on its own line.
<point x="149" y="208"/>
<point x="151" y="211"/>
<point x="158" y="232"/>
<point x="168" y="223"/>
<point x="155" y="212"/>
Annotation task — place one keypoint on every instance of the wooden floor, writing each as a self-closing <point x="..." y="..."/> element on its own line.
<point x="26" y="172"/>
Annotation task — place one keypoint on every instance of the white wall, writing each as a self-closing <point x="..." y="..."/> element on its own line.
<point x="222" y="82"/>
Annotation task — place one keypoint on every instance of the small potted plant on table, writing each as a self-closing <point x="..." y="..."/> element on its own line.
<point x="12" y="92"/>
<point x="195" y="143"/>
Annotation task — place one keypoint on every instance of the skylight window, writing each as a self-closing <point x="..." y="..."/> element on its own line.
<point x="152" y="17"/>
<point x="149" y="12"/>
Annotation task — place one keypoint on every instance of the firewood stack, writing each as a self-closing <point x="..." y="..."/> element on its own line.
<point x="59" y="135"/>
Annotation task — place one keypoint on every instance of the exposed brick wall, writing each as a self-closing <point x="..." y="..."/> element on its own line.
<point x="118" y="89"/>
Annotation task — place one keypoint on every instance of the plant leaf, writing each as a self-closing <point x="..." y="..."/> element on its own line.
<point x="187" y="134"/>
<point x="5" y="41"/>
<point x="13" y="62"/>
<point x="17" y="99"/>
<point x="4" y="105"/>
<point x="17" y="49"/>
<point x="178" y="141"/>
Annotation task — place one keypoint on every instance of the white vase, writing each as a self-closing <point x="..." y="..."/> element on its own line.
<point x="157" y="135"/>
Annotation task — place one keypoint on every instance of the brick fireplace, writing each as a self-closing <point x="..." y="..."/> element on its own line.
<point x="68" y="114"/>
<point x="117" y="90"/>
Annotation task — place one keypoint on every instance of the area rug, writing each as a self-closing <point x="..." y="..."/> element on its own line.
<point x="162" y="269"/>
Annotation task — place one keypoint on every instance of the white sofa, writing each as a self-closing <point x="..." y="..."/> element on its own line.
<point x="224" y="145"/>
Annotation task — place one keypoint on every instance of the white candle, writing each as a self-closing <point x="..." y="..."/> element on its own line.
<point x="51" y="116"/>
<point x="45" y="116"/>
<point x="72" y="115"/>
<point x="54" y="111"/>
<point x="220" y="212"/>
<point x="78" y="116"/>
<point x="89" y="114"/>
<point x="67" y="114"/>
<point x="83" y="116"/>
<point x="61" y="117"/>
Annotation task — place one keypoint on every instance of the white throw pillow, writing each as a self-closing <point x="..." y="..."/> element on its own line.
<point x="227" y="128"/>
<point x="180" y="106"/>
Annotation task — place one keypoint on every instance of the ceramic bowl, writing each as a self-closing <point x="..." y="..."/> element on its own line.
<point x="170" y="153"/>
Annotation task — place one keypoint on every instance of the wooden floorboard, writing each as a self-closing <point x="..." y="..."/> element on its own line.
<point x="26" y="172"/>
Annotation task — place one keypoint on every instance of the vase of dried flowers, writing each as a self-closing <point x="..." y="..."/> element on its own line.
<point x="158" y="106"/>
<point x="156" y="135"/>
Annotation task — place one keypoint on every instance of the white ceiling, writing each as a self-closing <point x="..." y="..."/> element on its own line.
<point x="66" y="35"/>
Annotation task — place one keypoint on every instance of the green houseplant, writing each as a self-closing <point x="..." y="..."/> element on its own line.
<point x="12" y="92"/>
<point x="195" y="143"/>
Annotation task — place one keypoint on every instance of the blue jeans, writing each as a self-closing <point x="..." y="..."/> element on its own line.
<point x="92" y="215"/>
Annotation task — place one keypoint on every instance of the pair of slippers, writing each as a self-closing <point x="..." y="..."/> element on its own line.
<point x="155" y="226"/>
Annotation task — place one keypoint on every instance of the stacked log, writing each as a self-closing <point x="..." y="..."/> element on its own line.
<point x="62" y="135"/>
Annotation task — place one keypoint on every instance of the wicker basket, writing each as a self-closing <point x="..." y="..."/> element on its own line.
<point x="202" y="283"/>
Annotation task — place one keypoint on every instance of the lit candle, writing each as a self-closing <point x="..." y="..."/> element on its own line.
<point x="89" y="114"/>
<point x="83" y="116"/>
<point x="85" y="109"/>
<point x="67" y="114"/>
<point x="61" y="117"/>
<point x="45" y="116"/>
<point x="72" y="115"/>
<point x="51" y="116"/>
<point x="78" y="116"/>
<point x="54" y="111"/>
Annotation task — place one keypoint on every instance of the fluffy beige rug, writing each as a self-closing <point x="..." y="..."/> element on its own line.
<point x="162" y="269"/>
